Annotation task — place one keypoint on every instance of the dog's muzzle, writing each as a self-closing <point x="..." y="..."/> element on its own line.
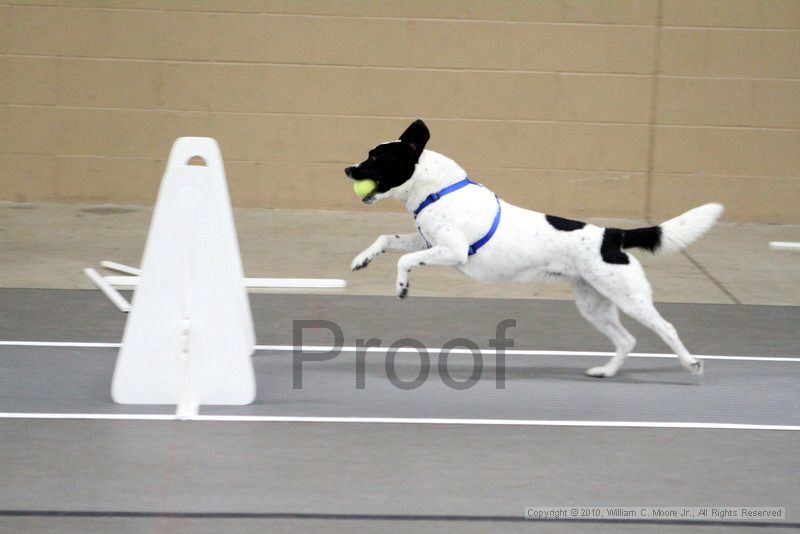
<point x="350" y="172"/>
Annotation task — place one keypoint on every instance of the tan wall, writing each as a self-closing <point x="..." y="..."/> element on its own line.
<point x="598" y="107"/>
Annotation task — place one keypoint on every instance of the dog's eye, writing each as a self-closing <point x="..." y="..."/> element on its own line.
<point x="372" y="158"/>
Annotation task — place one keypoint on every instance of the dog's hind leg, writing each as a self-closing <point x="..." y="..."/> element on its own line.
<point x="643" y="310"/>
<point x="629" y="289"/>
<point x="603" y="314"/>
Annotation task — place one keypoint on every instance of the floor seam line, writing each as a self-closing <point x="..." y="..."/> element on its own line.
<point x="714" y="281"/>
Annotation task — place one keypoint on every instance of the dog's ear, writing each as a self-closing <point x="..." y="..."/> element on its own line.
<point x="416" y="136"/>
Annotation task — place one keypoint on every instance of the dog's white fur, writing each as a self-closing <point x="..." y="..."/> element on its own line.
<point x="526" y="247"/>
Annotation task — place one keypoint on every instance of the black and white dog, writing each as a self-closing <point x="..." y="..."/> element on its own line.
<point x="464" y="225"/>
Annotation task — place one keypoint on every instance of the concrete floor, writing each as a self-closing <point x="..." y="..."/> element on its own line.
<point x="51" y="244"/>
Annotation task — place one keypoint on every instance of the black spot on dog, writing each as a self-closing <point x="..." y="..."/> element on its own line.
<point x="565" y="225"/>
<point x="611" y="247"/>
<point x="403" y="290"/>
<point x="646" y="238"/>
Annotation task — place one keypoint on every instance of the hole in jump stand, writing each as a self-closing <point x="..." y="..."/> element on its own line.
<point x="198" y="161"/>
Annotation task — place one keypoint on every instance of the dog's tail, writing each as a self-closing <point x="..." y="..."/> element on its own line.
<point x="674" y="234"/>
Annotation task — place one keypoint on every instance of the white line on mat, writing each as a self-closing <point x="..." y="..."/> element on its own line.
<point x="433" y="350"/>
<point x="395" y="420"/>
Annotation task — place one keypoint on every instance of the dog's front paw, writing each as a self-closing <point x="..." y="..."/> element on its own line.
<point x="402" y="290"/>
<point x="360" y="261"/>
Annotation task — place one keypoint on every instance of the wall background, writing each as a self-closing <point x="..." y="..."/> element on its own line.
<point x="629" y="108"/>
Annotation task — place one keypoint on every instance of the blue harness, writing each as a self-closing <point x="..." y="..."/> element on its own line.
<point x="433" y="197"/>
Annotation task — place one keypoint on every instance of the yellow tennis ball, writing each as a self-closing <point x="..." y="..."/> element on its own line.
<point x="364" y="187"/>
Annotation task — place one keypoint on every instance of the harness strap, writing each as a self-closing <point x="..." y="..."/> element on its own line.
<point x="433" y="197"/>
<point x="473" y="248"/>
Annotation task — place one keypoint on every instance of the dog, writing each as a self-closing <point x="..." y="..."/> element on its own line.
<point x="464" y="225"/>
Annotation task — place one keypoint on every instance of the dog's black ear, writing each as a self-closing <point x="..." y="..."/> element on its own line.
<point x="416" y="136"/>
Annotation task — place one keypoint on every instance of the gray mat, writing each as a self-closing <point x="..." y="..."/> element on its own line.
<point x="77" y="315"/>
<point x="114" y="467"/>
<point x="43" y="379"/>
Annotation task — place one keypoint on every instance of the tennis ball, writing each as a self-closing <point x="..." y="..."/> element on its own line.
<point x="364" y="187"/>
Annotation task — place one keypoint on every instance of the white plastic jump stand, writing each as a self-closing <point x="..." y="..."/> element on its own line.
<point x="189" y="334"/>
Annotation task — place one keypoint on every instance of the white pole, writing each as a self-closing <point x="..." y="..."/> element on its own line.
<point x="323" y="283"/>
<point x="112" y="294"/>
<point x="120" y="268"/>
<point x="784" y="245"/>
<point x="292" y="283"/>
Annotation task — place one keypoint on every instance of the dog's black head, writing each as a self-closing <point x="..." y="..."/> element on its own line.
<point x="391" y="164"/>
